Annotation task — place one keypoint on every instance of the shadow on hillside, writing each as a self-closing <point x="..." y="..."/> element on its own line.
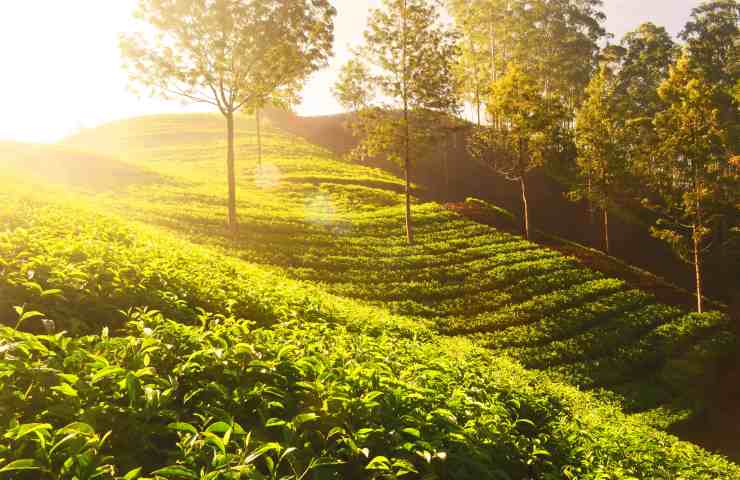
<point x="453" y="176"/>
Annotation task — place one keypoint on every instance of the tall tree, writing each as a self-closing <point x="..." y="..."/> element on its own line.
<point x="600" y="142"/>
<point x="694" y="154"/>
<point x="530" y="127"/>
<point x="711" y="36"/>
<point x="648" y="53"/>
<point x="229" y="54"/>
<point x="556" y="41"/>
<point x="482" y="25"/>
<point x="400" y="81"/>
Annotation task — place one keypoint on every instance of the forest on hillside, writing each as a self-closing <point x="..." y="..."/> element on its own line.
<point x="645" y="121"/>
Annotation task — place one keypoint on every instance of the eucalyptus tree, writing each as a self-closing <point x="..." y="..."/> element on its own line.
<point x="230" y="54"/>
<point x="556" y="41"/>
<point x="712" y="37"/>
<point x="399" y="84"/>
<point x="530" y="127"/>
<point x="483" y="28"/>
<point x="694" y="152"/>
<point x="648" y="53"/>
<point x="600" y="142"/>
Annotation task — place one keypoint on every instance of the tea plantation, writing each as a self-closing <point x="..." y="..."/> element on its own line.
<point x="143" y="341"/>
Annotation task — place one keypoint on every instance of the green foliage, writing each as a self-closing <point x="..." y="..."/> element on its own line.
<point x="694" y="148"/>
<point x="227" y="53"/>
<point x="186" y="362"/>
<point x="301" y="400"/>
<point x="527" y="128"/>
<point x="399" y="85"/>
<point x="556" y="42"/>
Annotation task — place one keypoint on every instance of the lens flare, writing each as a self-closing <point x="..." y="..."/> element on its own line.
<point x="267" y="176"/>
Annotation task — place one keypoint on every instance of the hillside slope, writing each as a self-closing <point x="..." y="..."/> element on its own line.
<point x="185" y="362"/>
<point x="452" y="175"/>
<point x="339" y="226"/>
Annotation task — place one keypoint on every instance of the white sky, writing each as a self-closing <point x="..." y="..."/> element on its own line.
<point x="61" y="66"/>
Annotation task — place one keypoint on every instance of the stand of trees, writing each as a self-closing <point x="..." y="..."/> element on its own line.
<point x="231" y="54"/>
<point x="644" y="120"/>
<point x="650" y="120"/>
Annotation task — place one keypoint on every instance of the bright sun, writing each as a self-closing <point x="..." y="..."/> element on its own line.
<point x="61" y="66"/>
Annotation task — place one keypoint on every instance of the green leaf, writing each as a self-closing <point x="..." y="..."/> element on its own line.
<point x="133" y="387"/>
<point x="183" y="427"/>
<point x="266" y="448"/>
<point x="380" y="463"/>
<point x="275" y="422"/>
<point x="218" y="427"/>
<point x="133" y="474"/>
<point x="369" y="397"/>
<point x="51" y="292"/>
<point x="65" y="389"/>
<point x="27" y="429"/>
<point x="403" y="467"/>
<point x="215" y="440"/>
<point x="336" y="431"/>
<point x="68" y="377"/>
<point x="412" y="431"/>
<point x="78" y="428"/>
<point x="24" y="464"/>
<point x="304" y="418"/>
<point x="540" y="453"/>
<point x="105" y="373"/>
<point x="176" y="472"/>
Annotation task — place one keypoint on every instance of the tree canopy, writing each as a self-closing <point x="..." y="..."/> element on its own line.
<point x="230" y="54"/>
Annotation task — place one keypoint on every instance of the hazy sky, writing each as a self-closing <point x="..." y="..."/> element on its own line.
<point x="61" y="66"/>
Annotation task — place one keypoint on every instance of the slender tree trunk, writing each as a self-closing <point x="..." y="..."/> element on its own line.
<point x="477" y="103"/>
<point x="696" y="234"/>
<point x="607" y="248"/>
<point x="258" y="117"/>
<point x="230" y="172"/>
<point x="477" y="84"/>
<point x="494" y="75"/>
<point x="591" y="237"/>
<point x="407" y="135"/>
<point x="409" y="225"/>
<point x="698" y="270"/>
<point x="525" y="207"/>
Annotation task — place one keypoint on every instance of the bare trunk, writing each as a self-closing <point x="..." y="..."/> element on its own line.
<point x="525" y="207"/>
<point x="478" y="103"/>
<point x="409" y="226"/>
<point x="697" y="271"/>
<point x="607" y="249"/>
<point x="477" y="86"/>
<point x="697" y="238"/>
<point x="445" y="166"/>
<point x="258" y="117"/>
<point x="230" y="172"/>
<point x="589" y="203"/>
<point x="407" y="135"/>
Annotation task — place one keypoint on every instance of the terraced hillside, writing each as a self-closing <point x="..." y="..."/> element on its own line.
<point x="182" y="362"/>
<point x="365" y="297"/>
<point x="339" y="225"/>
